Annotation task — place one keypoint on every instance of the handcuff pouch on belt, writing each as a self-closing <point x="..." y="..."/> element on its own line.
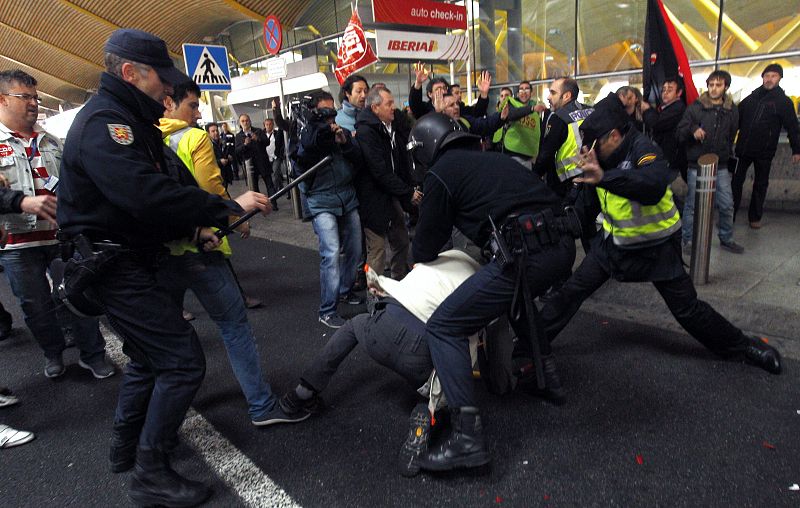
<point x="84" y="262"/>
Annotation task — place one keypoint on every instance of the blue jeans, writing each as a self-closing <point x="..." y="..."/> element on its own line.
<point x="26" y="270"/>
<point x="723" y="202"/>
<point x="211" y="280"/>
<point x="336" y="276"/>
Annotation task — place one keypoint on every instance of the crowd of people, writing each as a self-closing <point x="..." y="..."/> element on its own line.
<point x="514" y="186"/>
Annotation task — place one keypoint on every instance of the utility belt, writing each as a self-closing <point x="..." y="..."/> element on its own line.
<point x="85" y="261"/>
<point x="525" y="231"/>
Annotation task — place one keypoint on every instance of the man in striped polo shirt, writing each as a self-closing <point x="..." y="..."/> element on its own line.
<point x="29" y="162"/>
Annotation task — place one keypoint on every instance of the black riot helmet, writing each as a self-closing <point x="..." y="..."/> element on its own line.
<point x="431" y="134"/>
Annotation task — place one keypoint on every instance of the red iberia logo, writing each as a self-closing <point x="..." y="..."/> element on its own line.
<point x="6" y="151"/>
<point x="121" y="133"/>
<point x="427" y="46"/>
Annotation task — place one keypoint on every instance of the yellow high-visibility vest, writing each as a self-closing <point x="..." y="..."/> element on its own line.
<point x="632" y="223"/>
<point x="183" y="142"/>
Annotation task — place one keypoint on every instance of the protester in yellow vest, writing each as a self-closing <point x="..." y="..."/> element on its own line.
<point x="627" y="178"/>
<point x="208" y="274"/>
<point x="520" y="139"/>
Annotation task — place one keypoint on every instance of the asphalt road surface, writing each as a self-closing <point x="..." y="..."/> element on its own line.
<point x="652" y="419"/>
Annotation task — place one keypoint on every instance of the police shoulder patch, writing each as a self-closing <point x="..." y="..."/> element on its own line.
<point x="120" y="133"/>
<point x="646" y="159"/>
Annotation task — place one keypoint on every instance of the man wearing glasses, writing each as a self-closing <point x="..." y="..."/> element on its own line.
<point x="29" y="162"/>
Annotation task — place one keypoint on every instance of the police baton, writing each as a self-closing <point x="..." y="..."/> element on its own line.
<point x="294" y="183"/>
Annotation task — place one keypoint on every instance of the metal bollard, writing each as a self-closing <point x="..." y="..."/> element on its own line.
<point x="703" y="218"/>
<point x="297" y="207"/>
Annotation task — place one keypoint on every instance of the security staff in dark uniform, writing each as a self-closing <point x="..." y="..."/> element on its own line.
<point x="114" y="195"/>
<point x="626" y="177"/>
<point x="468" y="189"/>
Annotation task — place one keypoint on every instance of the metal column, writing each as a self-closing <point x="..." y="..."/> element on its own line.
<point x="703" y="218"/>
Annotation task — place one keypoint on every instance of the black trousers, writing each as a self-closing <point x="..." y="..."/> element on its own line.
<point x="695" y="316"/>
<point x="477" y="302"/>
<point x="167" y="362"/>
<point x="392" y="336"/>
<point x="761" y="168"/>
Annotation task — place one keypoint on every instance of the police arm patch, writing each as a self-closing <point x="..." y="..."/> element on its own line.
<point x="646" y="159"/>
<point x="120" y="133"/>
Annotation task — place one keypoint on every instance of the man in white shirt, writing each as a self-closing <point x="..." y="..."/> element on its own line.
<point x="275" y="152"/>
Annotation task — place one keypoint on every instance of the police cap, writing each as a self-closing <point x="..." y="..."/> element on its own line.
<point x="608" y="114"/>
<point x="145" y="48"/>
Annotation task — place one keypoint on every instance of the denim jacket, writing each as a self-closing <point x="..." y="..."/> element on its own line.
<point x="14" y="167"/>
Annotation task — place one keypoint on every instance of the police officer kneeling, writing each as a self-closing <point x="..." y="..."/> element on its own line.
<point x="469" y="189"/>
<point x="116" y="198"/>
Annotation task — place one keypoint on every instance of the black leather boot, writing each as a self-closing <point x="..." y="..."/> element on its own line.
<point x="156" y="483"/>
<point x="124" y="439"/>
<point x="761" y="354"/>
<point x="122" y="455"/>
<point x="553" y="392"/>
<point x="463" y="449"/>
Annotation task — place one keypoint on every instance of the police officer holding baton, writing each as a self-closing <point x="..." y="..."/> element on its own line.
<point x="116" y="198"/>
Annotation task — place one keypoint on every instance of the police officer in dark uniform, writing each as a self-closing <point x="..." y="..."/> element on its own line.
<point x="626" y="177"/>
<point x="469" y="189"/>
<point x="115" y="196"/>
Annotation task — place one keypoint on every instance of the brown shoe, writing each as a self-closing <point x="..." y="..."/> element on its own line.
<point x="755" y="224"/>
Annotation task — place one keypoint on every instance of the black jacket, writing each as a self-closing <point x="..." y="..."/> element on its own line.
<point x="463" y="188"/>
<point x="221" y="151"/>
<point x="720" y="123"/>
<point x="662" y="126"/>
<point x="280" y="146"/>
<point x="761" y="116"/>
<point x="385" y="173"/>
<point x="113" y="183"/>
<point x="256" y="150"/>
<point x="478" y="109"/>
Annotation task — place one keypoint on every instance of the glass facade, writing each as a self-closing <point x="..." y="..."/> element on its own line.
<point x="598" y="41"/>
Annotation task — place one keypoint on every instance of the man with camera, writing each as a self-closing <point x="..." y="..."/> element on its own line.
<point x="332" y="202"/>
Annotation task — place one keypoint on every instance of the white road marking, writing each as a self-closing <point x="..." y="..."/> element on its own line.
<point x="239" y="473"/>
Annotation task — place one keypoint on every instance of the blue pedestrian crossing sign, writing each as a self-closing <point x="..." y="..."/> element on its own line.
<point x="207" y="66"/>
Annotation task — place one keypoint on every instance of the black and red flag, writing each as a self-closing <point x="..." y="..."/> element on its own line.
<point x="664" y="56"/>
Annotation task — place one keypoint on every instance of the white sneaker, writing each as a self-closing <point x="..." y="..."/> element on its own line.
<point x="6" y="397"/>
<point x="11" y="437"/>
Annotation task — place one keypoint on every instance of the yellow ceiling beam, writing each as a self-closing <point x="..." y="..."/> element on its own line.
<point x="233" y="4"/>
<point x="784" y="38"/>
<point x="531" y="35"/>
<point x="709" y="47"/>
<point x="781" y="40"/>
<point x="688" y="36"/>
<point x="501" y="52"/>
<point x="709" y="7"/>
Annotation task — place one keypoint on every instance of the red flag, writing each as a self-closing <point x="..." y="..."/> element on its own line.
<point x="664" y="56"/>
<point x="354" y="52"/>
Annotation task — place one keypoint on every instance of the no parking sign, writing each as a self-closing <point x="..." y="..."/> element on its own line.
<point x="273" y="34"/>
